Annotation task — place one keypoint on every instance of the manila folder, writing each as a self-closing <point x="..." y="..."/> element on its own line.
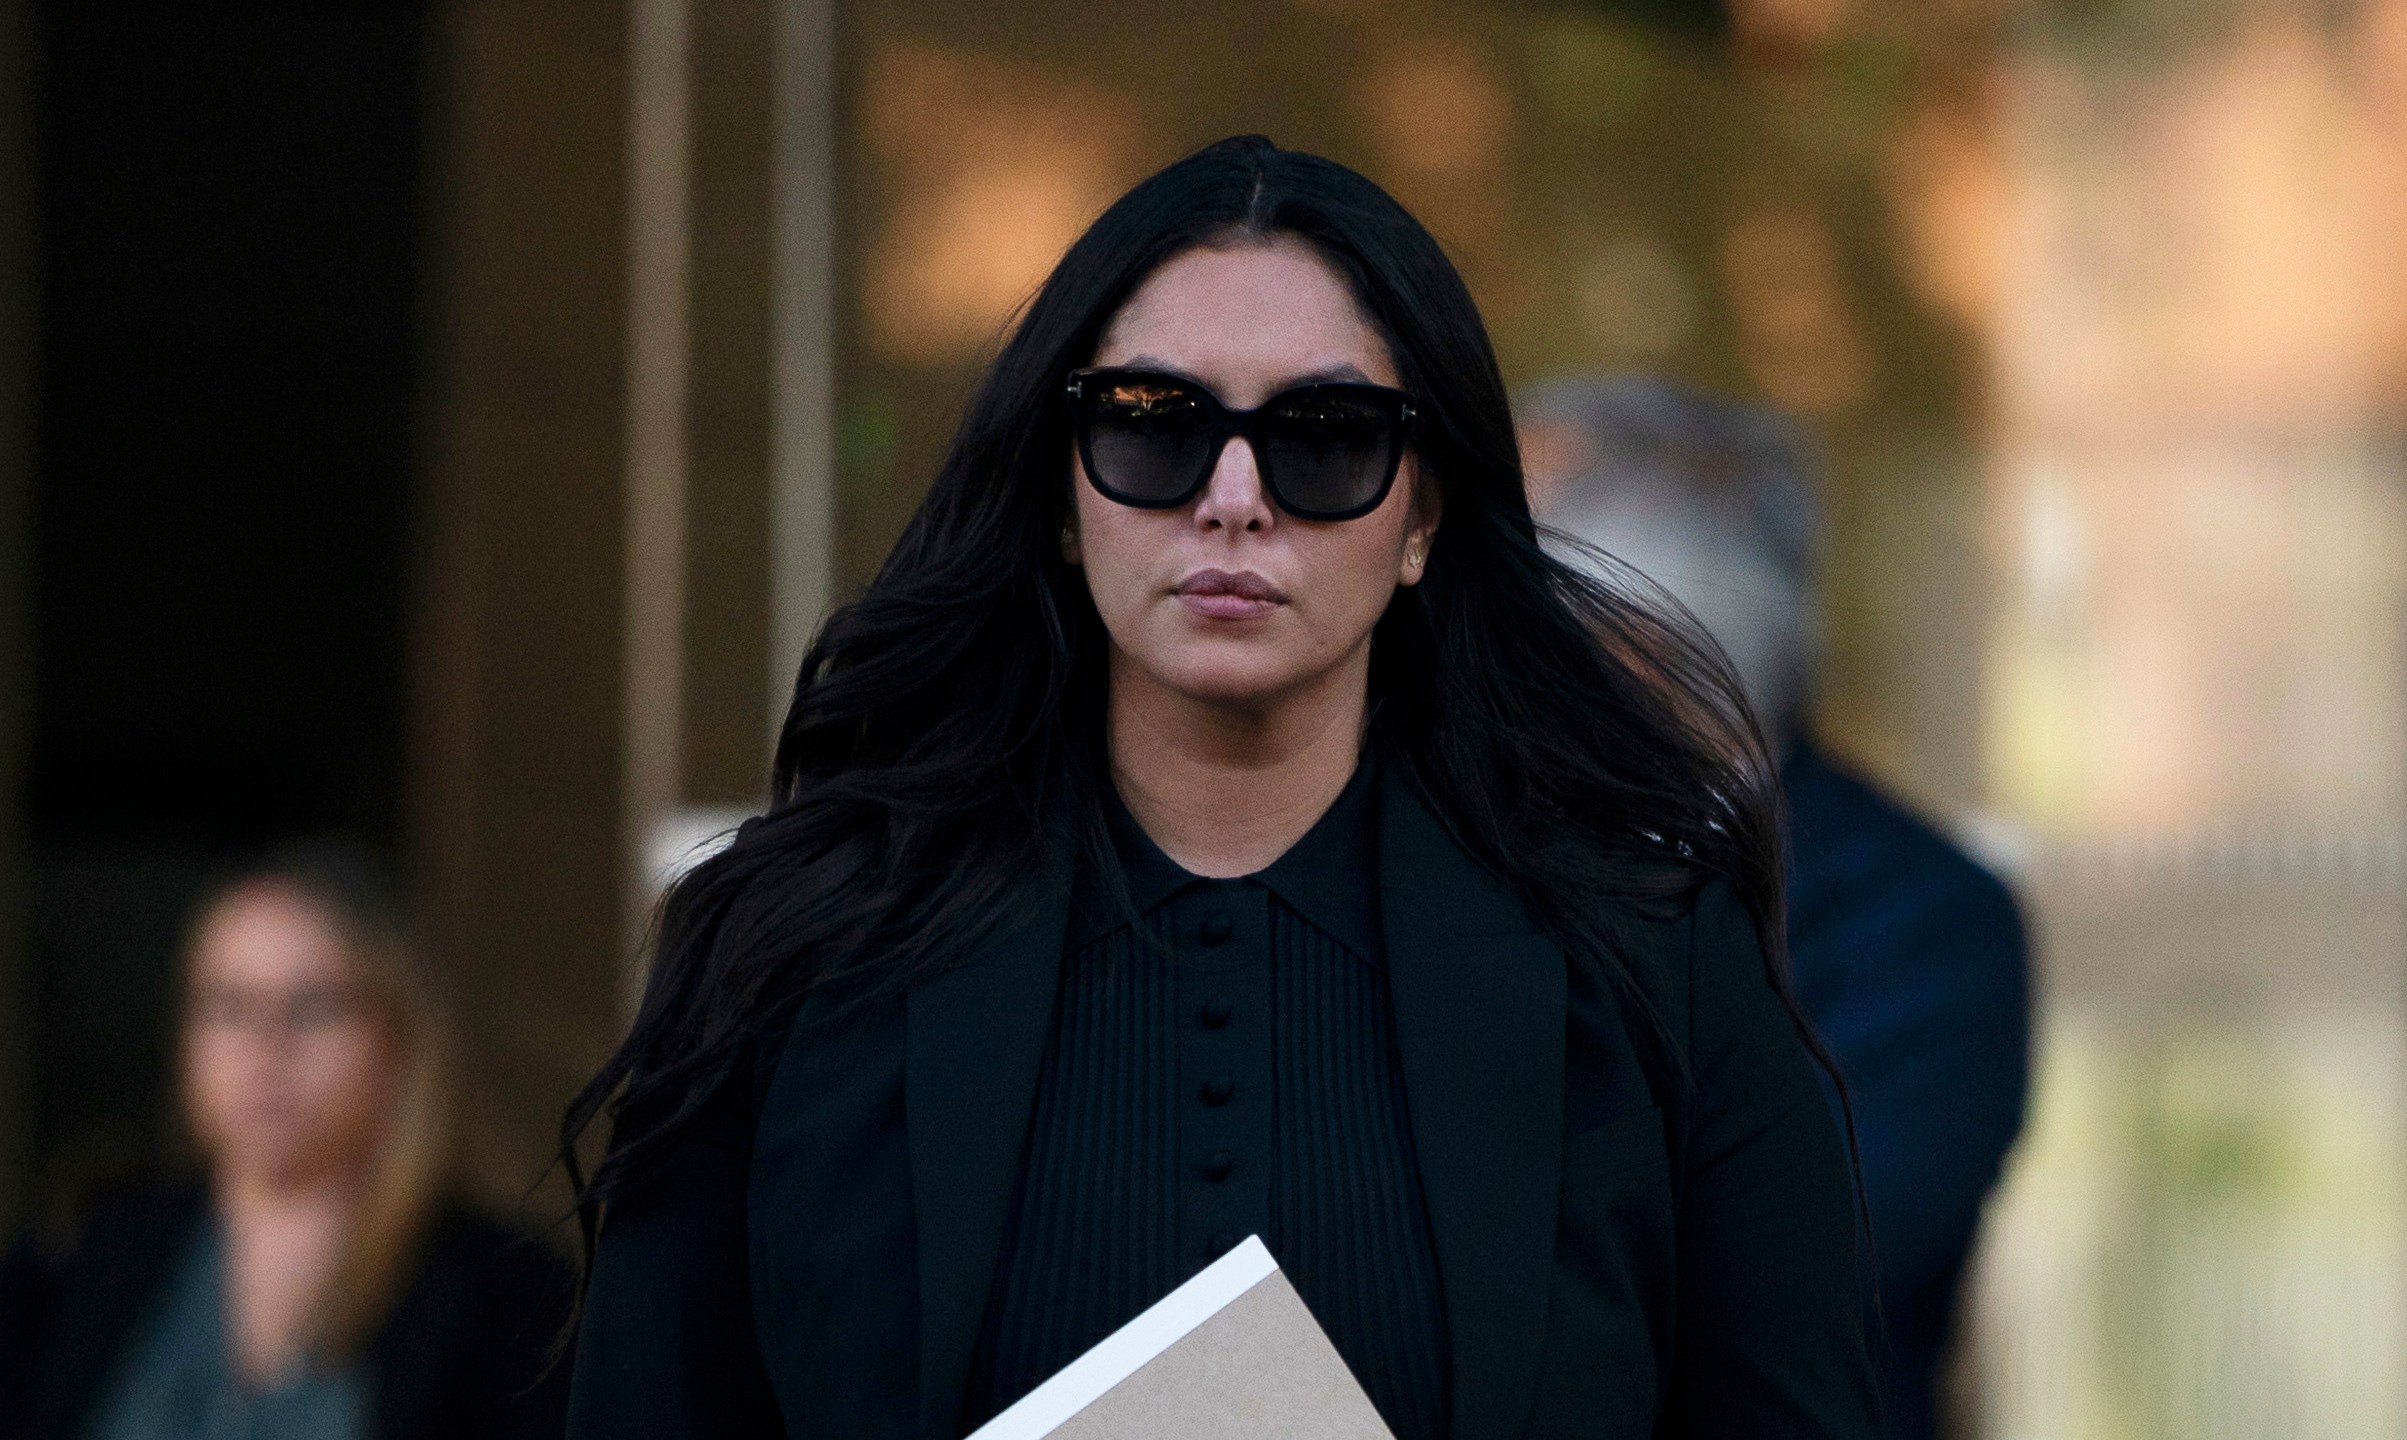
<point x="1230" y="1355"/>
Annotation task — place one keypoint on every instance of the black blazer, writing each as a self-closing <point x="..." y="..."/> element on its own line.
<point x="1618" y="1257"/>
<point x="465" y="1352"/>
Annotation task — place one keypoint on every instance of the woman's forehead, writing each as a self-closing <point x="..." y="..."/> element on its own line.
<point x="1266" y="311"/>
<point x="270" y="934"/>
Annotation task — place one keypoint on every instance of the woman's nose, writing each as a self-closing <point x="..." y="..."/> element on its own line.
<point x="1234" y="498"/>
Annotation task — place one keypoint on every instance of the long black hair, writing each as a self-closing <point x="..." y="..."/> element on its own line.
<point x="1587" y="745"/>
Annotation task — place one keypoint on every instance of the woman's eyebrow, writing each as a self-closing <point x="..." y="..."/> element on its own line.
<point x="1148" y="362"/>
<point x="1328" y="374"/>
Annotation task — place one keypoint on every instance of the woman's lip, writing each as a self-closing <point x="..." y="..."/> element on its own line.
<point x="1221" y="605"/>
<point x="1227" y="582"/>
<point x="1220" y="595"/>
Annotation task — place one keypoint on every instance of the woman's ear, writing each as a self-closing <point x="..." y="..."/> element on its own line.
<point x="1070" y="553"/>
<point x="1420" y="531"/>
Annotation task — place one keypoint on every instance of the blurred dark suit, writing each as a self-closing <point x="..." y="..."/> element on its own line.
<point x="1911" y="960"/>
<point x="1909" y="957"/>
<point x="464" y="1355"/>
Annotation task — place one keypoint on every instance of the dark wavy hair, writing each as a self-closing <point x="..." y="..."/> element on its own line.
<point x="1583" y="742"/>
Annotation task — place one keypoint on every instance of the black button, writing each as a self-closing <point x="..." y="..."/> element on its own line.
<point x="1221" y="1243"/>
<point x="1216" y="1012"/>
<point x="1219" y="1165"/>
<point x="1219" y="1090"/>
<point x="1215" y="929"/>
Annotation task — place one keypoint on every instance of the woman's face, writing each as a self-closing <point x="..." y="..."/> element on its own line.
<point x="1228" y="599"/>
<point x="287" y="1058"/>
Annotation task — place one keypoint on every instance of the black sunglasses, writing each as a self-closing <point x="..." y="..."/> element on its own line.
<point x="1325" y="452"/>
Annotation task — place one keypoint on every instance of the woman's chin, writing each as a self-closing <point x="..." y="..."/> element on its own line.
<point x="1238" y="667"/>
<point x="1231" y="676"/>
<point x="283" y="1163"/>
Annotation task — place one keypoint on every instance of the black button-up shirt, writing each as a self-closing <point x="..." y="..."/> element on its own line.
<point x="1221" y="1066"/>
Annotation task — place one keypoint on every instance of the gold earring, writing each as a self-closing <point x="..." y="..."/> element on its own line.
<point x="1412" y="556"/>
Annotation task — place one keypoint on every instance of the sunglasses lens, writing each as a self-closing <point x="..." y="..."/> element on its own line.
<point x="1147" y="440"/>
<point x="1332" y="450"/>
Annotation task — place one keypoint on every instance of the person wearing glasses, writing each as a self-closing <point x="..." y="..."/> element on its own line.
<point x="318" y="1282"/>
<point x="1220" y="817"/>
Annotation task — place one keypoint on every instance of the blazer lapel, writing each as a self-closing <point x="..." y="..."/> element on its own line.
<point x="1479" y="1001"/>
<point x="977" y="1039"/>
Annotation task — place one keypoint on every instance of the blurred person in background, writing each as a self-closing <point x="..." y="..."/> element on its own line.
<point x="1908" y="956"/>
<point x="318" y="1283"/>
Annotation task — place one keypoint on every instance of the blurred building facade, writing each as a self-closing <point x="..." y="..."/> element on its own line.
<point x="207" y="538"/>
<point x="2196" y="324"/>
<point x="532" y="412"/>
<point x="403" y="435"/>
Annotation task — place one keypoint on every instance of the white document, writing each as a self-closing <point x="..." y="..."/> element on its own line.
<point x="1232" y="1353"/>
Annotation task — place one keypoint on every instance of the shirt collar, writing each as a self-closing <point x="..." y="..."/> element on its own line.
<point x="1330" y="876"/>
<point x="1153" y="877"/>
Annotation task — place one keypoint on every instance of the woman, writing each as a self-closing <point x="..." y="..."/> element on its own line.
<point x="316" y="1287"/>
<point x="1219" y="816"/>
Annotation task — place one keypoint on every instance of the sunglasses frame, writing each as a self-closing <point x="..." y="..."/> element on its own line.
<point x="1227" y="424"/>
